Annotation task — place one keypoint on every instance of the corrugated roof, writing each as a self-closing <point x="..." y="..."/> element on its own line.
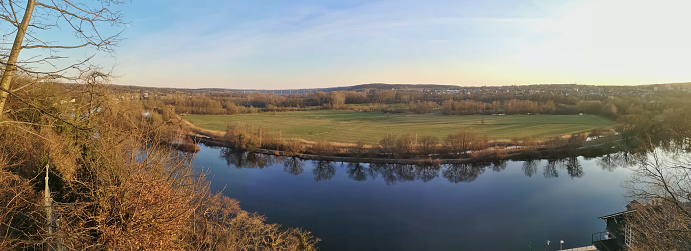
<point x="616" y="214"/>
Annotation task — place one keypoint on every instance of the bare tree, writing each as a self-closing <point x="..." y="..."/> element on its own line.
<point x="42" y="20"/>
<point x="463" y="141"/>
<point x="662" y="180"/>
<point x="428" y="145"/>
<point x="405" y="145"/>
<point x="337" y="100"/>
<point x="387" y="145"/>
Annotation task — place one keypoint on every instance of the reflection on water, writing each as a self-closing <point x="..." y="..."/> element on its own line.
<point x="610" y="162"/>
<point x="356" y="171"/>
<point x="324" y="170"/>
<point x="367" y="206"/>
<point x="456" y="173"/>
<point x="530" y="167"/>
<point x="393" y="173"/>
<point x="293" y="166"/>
<point x="242" y="159"/>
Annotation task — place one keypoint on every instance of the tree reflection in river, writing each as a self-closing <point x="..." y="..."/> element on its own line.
<point x="550" y="170"/>
<point x="293" y="165"/>
<point x="356" y="171"/>
<point x="574" y="168"/>
<point x="323" y="170"/>
<point x="457" y="173"/>
<point x="243" y="159"/>
<point x="427" y="172"/>
<point x="394" y="173"/>
<point x="530" y="167"/>
<point x="612" y="161"/>
<point x="499" y="165"/>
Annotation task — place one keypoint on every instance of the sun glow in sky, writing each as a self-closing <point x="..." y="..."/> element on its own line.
<point x="262" y="44"/>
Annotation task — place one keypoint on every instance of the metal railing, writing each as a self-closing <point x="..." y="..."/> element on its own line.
<point x="600" y="237"/>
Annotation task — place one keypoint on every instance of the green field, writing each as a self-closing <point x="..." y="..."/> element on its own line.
<point x="370" y="127"/>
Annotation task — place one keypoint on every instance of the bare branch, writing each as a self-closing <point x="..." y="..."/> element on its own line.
<point x="43" y="111"/>
<point x="14" y="13"/>
<point x="64" y="12"/>
<point x="8" y="19"/>
<point x="57" y="46"/>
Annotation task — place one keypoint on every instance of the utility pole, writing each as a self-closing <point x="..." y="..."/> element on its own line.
<point x="51" y="223"/>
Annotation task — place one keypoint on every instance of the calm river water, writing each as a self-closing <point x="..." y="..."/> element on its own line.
<point x="514" y="205"/>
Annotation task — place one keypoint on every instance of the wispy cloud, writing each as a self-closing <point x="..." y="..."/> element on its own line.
<point x="329" y="43"/>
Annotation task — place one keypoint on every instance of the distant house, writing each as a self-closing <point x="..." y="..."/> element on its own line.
<point x="618" y="234"/>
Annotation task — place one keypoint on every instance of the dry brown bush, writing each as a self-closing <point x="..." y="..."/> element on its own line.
<point x="114" y="187"/>
<point x="243" y="136"/>
<point x="428" y="145"/>
<point x="17" y="209"/>
<point x="463" y="141"/>
<point x="659" y="225"/>
<point x="502" y="153"/>
<point x="405" y="145"/>
<point x="387" y="145"/>
<point x="293" y="147"/>
<point x="323" y="148"/>
<point x="220" y="224"/>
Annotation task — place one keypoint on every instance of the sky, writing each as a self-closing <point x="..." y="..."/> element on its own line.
<point x="262" y="44"/>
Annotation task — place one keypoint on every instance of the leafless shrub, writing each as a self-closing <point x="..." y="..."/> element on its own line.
<point x="405" y="145"/>
<point x="661" y="179"/>
<point x="243" y="136"/>
<point x="293" y="147"/>
<point x="113" y="186"/>
<point x="387" y="145"/>
<point x="428" y="145"/>
<point x="323" y="148"/>
<point x="221" y="225"/>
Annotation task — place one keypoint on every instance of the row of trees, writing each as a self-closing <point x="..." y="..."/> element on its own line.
<point x="384" y="96"/>
<point x="200" y="104"/>
<point x="408" y="145"/>
<point x="464" y="143"/>
<point x="249" y="138"/>
<point x="514" y="106"/>
<point x="237" y="103"/>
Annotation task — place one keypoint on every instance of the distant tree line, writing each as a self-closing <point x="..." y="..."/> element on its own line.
<point x="402" y="101"/>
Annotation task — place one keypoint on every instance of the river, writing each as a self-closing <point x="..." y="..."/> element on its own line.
<point x="513" y="205"/>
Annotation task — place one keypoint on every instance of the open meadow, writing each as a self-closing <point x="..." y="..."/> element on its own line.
<point x="370" y="127"/>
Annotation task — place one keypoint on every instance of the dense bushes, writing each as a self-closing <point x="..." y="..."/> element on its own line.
<point x="112" y="185"/>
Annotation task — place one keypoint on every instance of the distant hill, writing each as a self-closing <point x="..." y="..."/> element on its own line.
<point x="382" y="86"/>
<point x="361" y="87"/>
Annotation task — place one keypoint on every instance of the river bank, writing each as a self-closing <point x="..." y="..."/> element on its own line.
<point x="343" y="152"/>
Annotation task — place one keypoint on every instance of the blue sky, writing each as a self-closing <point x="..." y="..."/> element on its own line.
<point x="304" y="44"/>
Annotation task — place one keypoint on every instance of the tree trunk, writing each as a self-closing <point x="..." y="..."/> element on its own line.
<point x="11" y="65"/>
